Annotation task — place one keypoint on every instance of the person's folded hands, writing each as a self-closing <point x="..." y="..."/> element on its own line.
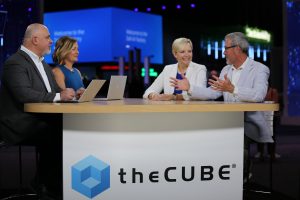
<point x="67" y="94"/>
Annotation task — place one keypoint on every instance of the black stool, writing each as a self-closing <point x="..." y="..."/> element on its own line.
<point x="20" y="195"/>
<point x="270" y="170"/>
<point x="269" y="117"/>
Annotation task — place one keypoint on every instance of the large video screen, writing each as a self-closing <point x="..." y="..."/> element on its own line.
<point x="292" y="62"/>
<point x="104" y="34"/>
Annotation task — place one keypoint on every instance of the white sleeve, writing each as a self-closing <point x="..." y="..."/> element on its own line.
<point x="157" y="86"/>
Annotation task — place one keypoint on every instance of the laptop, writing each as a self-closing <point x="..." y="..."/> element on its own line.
<point x="89" y="93"/>
<point x="116" y="88"/>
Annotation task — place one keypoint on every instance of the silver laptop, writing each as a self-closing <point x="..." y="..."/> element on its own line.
<point x="116" y="88"/>
<point x="89" y="93"/>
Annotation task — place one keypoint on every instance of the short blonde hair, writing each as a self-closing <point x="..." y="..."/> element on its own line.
<point x="179" y="42"/>
<point x="63" y="47"/>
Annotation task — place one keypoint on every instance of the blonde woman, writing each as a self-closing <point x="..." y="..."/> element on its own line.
<point x="182" y="49"/>
<point x="65" y="55"/>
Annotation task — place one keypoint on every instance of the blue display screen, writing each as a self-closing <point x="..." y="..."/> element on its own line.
<point x="293" y="56"/>
<point x="104" y="34"/>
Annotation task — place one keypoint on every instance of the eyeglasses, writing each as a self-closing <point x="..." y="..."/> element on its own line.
<point x="230" y="47"/>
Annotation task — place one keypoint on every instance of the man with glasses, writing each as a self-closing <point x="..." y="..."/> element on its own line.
<point x="241" y="80"/>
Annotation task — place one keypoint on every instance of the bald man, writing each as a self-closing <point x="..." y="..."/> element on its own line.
<point x="26" y="78"/>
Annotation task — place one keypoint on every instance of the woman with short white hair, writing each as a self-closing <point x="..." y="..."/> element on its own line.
<point x="182" y="49"/>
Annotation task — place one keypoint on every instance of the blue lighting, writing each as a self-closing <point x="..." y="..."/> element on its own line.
<point x="216" y="50"/>
<point x="264" y="55"/>
<point x="251" y="52"/>
<point x="258" y="51"/>
<point x="148" y="9"/>
<point x="193" y="5"/>
<point x="136" y="10"/>
<point x="163" y="7"/>
<point x="208" y="49"/>
<point x="289" y="4"/>
<point x="223" y="48"/>
<point x="178" y="6"/>
<point x="121" y="29"/>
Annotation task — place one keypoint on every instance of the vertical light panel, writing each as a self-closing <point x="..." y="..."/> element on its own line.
<point x="216" y="50"/>
<point x="208" y="48"/>
<point x="264" y="55"/>
<point x="223" y="48"/>
<point x="251" y="52"/>
<point x="258" y="51"/>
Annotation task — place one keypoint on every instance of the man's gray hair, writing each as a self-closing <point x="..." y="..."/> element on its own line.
<point x="239" y="39"/>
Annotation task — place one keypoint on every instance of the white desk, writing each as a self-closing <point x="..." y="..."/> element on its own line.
<point x="153" y="150"/>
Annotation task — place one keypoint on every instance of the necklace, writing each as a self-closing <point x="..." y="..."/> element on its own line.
<point x="71" y="70"/>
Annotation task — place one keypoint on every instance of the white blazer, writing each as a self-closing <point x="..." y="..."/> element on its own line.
<point x="196" y="74"/>
<point x="252" y="87"/>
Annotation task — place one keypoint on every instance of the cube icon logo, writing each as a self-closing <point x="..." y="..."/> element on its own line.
<point x="90" y="176"/>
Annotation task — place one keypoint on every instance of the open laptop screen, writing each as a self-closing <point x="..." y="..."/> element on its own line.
<point x="89" y="93"/>
<point x="116" y="88"/>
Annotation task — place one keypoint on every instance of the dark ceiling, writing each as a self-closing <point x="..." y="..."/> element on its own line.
<point x="264" y="14"/>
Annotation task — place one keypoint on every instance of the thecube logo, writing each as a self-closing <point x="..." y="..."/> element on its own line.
<point x="90" y="176"/>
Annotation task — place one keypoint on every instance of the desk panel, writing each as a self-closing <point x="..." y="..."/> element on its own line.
<point x="145" y="150"/>
<point x="159" y="156"/>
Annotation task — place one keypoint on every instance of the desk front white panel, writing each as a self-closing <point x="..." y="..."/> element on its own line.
<point x="159" y="156"/>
